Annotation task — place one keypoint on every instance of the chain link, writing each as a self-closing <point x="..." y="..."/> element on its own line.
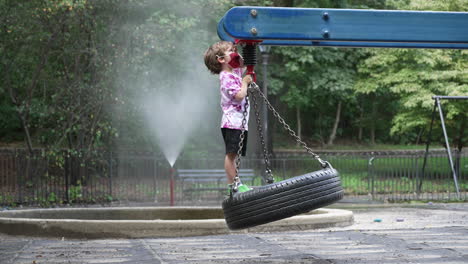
<point x="269" y="177"/>
<point x="254" y="87"/>
<point x="235" y="184"/>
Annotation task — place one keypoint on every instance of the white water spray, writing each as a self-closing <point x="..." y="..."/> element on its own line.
<point x="174" y="119"/>
<point x="171" y="92"/>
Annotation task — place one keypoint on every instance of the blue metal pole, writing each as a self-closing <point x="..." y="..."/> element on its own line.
<point x="343" y="44"/>
<point x="346" y="27"/>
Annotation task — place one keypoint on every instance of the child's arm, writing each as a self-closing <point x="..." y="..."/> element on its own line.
<point x="243" y="91"/>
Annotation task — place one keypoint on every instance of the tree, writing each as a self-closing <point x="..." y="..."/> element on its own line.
<point x="27" y="36"/>
<point x="161" y="62"/>
<point x="320" y="80"/>
<point x="414" y="76"/>
<point x="59" y="62"/>
<point x="376" y="102"/>
<point x="317" y="80"/>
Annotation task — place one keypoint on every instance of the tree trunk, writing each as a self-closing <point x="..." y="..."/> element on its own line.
<point x="25" y="125"/>
<point x="335" y="125"/>
<point x="460" y="144"/>
<point x="24" y="107"/>
<point x="361" y="118"/>
<point x="374" y="117"/>
<point x="461" y="134"/>
<point x="321" y="138"/>
<point x="418" y="139"/>
<point x="21" y="116"/>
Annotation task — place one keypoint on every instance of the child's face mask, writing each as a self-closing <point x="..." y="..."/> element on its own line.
<point x="235" y="60"/>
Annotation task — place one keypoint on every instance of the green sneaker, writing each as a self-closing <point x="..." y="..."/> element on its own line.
<point x="240" y="189"/>
<point x="243" y="188"/>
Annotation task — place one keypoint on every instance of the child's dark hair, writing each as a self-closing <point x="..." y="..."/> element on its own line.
<point x="213" y="52"/>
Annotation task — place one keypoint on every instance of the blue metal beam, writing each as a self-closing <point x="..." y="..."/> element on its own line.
<point x="346" y="27"/>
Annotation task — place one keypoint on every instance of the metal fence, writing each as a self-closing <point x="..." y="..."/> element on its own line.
<point x="127" y="177"/>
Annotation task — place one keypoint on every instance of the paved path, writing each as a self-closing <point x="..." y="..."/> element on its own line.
<point x="426" y="234"/>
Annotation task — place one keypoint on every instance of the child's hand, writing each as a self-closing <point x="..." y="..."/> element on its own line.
<point x="247" y="79"/>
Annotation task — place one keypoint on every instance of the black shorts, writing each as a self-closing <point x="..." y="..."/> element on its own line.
<point x="231" y="140"/>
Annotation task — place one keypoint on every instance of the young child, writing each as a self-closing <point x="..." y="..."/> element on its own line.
<point x="222" y="58"/>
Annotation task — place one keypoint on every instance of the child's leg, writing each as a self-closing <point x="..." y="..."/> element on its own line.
<point x="230" y="167"/>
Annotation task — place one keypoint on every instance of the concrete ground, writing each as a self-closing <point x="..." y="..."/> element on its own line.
<point x="426" y="233"/>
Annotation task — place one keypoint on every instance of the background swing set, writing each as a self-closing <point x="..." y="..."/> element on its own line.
<point x="437" y="105"/>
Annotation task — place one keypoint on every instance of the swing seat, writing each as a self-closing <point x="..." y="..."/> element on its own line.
<point x="283" y="199"/>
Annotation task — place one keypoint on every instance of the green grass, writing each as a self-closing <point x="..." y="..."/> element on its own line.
<point x="389" y="174"/>
<point x="361" y="184"/>
<point x="352" y="146"/>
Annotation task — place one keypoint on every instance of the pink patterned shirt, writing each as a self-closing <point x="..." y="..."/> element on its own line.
<point x="232" y="109"/>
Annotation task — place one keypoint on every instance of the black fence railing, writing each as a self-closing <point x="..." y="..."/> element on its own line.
<point x="145" y="177"/>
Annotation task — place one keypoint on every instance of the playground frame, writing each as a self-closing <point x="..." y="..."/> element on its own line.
<point x="437" y="105"/>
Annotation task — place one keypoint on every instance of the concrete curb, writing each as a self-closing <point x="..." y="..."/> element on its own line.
<point x="155" y="222"/>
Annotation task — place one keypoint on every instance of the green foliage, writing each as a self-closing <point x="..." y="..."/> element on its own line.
<point x="69" y="71"/>
<point x="315" y="80"/>
<point x="10" y="127"/>
<point x="422" y="5"/>
<point x="54" y="73"/>
<point x="59" y="62"/>
<point x="413" y="76"/>
<point x="163" y="41"/>
<point x="52" y="197"/>
<point x="75" y="193"/>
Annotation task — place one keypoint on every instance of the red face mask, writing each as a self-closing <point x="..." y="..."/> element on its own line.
<point x="235" y="60"/>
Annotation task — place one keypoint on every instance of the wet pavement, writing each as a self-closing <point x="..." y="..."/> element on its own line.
<point x="435" y="233"/>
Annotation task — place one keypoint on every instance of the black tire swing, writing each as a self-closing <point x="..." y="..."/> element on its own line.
<point x="279" y="200"/>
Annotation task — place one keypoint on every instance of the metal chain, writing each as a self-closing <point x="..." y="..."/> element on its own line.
<point x="269" y="177"/>
<point x="236" y="182"/>
<point x="257" y="89"/>
<point x="253" y="87"/>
